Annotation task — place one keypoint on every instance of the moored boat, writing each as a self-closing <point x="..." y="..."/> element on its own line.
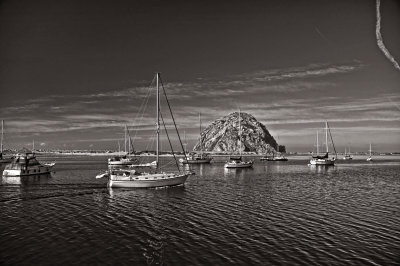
<point x="149" y="178"/>
<point x="347" y="156"/>
<point x="195" y="158"/>
<point x="279" y="156"/>
<point x="136" y="179"/>
<point x="237" y="162"/>
<point x="324" y="160"/>
<point x="267" y="158"/>
<point x="25" y="163"/>
<point x="122" y="160"/>
<point x="369" y="159"/>
<point x="127" y="158"/>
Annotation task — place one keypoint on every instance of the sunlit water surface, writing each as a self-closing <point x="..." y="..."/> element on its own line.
<point x="278" y="213"/>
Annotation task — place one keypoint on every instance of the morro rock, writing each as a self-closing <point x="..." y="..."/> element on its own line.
<point x="223" y="135"/>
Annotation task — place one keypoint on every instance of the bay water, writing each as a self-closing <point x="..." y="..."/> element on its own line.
<point x="276" y="213"/>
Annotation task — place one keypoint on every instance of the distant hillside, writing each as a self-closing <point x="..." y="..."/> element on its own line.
<point x="222" y="135"/>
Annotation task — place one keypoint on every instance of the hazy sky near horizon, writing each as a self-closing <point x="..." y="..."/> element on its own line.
<point x="73" y="73"/>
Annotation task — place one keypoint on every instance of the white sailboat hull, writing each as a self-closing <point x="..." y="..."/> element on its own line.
<point x="276" y="159"/>
<point x="147" y="181"/>
<point x="239" y="165"/>
<point x="322" y="162"/>
<point x="125" y="162"/>
<point x="196" y="161"/>
<point x="120" y="163"/>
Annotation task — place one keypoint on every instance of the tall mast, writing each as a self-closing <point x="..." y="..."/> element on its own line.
<point x="125" y="138"/>
<point x="317" y="144"/>
<point x="201" y="139"/>
<point x="129" y="144"/>
<point x="33" y="145"/>
<point x="1" y="144"/>
<point x="240" y="137"/>
<point x="370" y="150"/>
<point x="326" y="136"/>
<point x="158" y="119"/>
<point x="185" y="143"/>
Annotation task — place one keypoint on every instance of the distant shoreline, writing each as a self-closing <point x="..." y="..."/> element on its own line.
<point x="298" y="156"/>
<point x="108" y="153"/>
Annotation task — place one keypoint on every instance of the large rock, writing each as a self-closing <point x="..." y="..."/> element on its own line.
<point x="223" y="135"/>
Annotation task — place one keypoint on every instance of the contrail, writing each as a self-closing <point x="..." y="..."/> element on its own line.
<point x="379" y="37"/>
<point x="320" y="34"/>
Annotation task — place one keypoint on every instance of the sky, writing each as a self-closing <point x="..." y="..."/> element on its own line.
<point x="74" y="73"/>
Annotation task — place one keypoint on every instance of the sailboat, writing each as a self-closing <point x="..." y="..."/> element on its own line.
<point x="237" y="162"/>
<point x="2" y="159"/>
<point x="324" y="159"/>
<point x="278" y="158"/>
<point x="347" y="156"/>
<point x="370" y="153"/>
<point x="134" y="178"/>
<point x="124" y="159"/>
<point x="197" y="158"/>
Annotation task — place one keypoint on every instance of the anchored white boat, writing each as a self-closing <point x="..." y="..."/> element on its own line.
<point x="370" y="153"/>
<point x="195" y="158"/>
<point x="25" y="163"/>
<point x="347" y="156"/>
<point x="324" y="160"/>
<point x="280" y="157"/>
<point x="134" y="178"/>
<point x="2" y="159"/>
<point x="125" y="159"/>
<point x="122" y="160"/>
<point x="237" y="162"/>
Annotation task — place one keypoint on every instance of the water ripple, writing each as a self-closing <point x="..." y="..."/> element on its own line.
<point x="278" y="214"/>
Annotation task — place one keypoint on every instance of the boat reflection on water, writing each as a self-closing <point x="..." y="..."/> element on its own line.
<point x="140" y="193"/>
<point x="26" y="180"/>
<point x="150" y="205"/>
<point x="198" y="169"/>
<point x="322" y="168"/>
<point x="237" y="172"/>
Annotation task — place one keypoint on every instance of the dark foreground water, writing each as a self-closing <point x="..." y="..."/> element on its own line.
<point x="278" y="213"/>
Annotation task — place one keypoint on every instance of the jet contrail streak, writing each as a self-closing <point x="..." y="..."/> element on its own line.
<point x="320" y="34"/>
<point x="379" y="39"/>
